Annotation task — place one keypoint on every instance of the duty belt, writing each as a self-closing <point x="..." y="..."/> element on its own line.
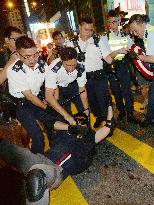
<point x="98" y="74"/>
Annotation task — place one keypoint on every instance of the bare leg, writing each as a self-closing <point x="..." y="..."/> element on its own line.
<point x="104" y="131"/>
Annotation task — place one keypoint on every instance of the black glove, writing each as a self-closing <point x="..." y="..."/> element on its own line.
<point x="77" y="130"/>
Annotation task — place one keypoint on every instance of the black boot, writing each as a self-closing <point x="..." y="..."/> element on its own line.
<point x="146" y="123"/>
<point x="131" y="118"/>
<point x="121" y="117"/>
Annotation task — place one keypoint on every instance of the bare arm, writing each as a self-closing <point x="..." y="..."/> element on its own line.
<point x="3" y="71"/>
<point x="148" y="59"/>
<point x="84" y="99"/>
<point x="50" y="98"/>
<point x="34" y="99"/>
<point x="60" y="126"/>
<point x="119" y="51"/>
<point x="108" y="59"/>
<point x="104" y="131"/>
<point x="3" y="75"/>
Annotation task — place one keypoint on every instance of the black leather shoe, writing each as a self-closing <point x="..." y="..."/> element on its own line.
<point x="121" y="117"/>
<point x="146" y="123"/>
<point x="131" y="118"/>
<point x="98" y="122"/>
<point x="36" y="184"/>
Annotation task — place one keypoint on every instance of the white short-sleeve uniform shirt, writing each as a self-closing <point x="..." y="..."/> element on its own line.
<point x="61" y="77"/>
<point x="150" y="40"/>
<point x="25" y="79"/>
<point x="93" y="54"/>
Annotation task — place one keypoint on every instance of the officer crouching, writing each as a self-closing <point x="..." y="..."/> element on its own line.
<point x="65" y="82"/>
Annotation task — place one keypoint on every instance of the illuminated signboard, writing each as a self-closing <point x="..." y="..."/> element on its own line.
<point x="131" y="6"/>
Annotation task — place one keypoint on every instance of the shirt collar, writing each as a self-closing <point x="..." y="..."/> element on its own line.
<point x="90" y="40"/>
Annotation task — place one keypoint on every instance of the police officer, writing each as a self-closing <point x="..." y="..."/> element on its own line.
<point x="25" y="78"/>
<point x="90" y="53"/>
<point x="58" y="44"/>
<point x="120" y="82"/>
<point x="65" y="82"/>
<point x="10" y="35"/>
<point x="139" y="27"/>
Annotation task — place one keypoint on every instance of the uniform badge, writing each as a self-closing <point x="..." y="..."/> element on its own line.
<point x="41" y="66"/>
<point x="18" y="66"/>
<point x="57" y="67"/>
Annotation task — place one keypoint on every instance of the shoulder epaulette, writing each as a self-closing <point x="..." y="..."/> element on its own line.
<point x="104" y="33"/>
<point x="123" y="33"/>
<point x="74" y="40"/>
<point x="18" y="66"/>
<point x="41" y="65"/>
<point x="146" y="34"/>
<point x="80" y="68"/>
<point x="96" y="39"/>
<point x="57" y="67"/>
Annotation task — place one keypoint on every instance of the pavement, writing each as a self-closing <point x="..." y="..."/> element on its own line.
<point x="122" y="172"/>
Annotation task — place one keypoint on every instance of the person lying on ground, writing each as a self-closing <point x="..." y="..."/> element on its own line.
<point x="72" y="151"/>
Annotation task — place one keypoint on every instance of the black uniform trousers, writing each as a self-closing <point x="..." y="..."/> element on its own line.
<point x="70" y="94"/>
<point x="97" y="90"/>
<point x="120" y="84"/>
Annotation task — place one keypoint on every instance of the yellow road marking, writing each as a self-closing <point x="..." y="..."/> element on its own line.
<point x="139" y="151"/>
<point x="67" y="194"/>
<point x="138" y="106"/>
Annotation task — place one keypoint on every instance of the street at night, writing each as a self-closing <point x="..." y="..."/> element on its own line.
<point x="77" y="102"/>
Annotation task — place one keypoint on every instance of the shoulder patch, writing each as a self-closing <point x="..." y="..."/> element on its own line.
<point x="41" y="66"/>
<point x="57" y="67"/>
<point x="80" y="68"/>
<point x="104" y="33"/>
<point x="123" y="33"/>
<point x="96" y="39"/>
<point x="18" y="66"/>
<point x="75" y="41"/>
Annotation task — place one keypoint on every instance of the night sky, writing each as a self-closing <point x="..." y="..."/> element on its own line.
<point x="3" y="17"/>
<point x="3" y="20"/>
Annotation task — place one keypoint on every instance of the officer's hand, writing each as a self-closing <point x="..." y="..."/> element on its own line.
<point x="14" y="56"/>
<point x="70" y="119"/>
<point x="141" y="57"/>
<point x="123" y="51"/>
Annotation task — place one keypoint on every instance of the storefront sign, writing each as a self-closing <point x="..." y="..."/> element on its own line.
<point x="131" y="6"/>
